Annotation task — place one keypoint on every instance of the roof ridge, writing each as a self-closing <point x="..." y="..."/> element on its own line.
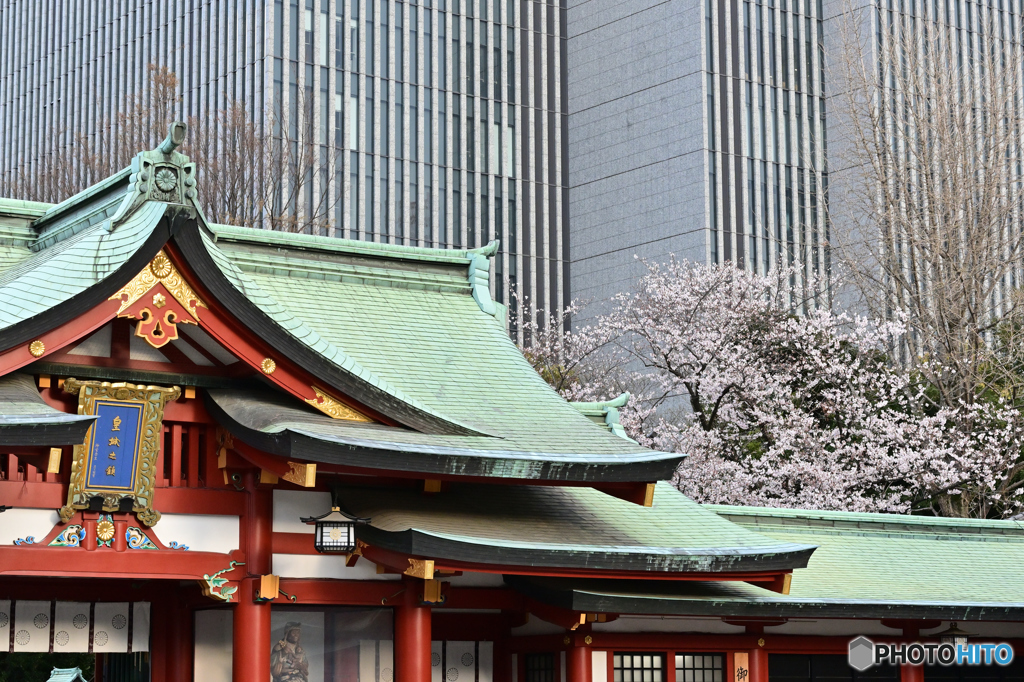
<point x="314" y="242"/>
<point x="868" y="522"/>
<point x="75" y="200"/>
<point x="249" y="261"/>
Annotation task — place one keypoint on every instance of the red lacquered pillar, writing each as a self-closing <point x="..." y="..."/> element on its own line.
<point x="758" y="662"/>
<point x="412" y="635"/>
<point x="250" y="656"/>
<point x="578" y="660"/>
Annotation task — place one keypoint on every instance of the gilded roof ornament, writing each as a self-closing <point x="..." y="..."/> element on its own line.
<point x="334" y="408"/>
<point x="159" y="327"/>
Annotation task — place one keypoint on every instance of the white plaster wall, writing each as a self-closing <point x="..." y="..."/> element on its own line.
<point x="290" y="505"/>
<point x="21" y="523"/>
<point x="199" y="532"/>
<point x="599" y="666"/>
<point x="469" y="579"/>
<point x="326" y="566"/>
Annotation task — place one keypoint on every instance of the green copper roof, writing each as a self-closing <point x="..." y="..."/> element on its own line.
<point x="410" y="318"/>
<point x="411" y="333"/>
<point x="565" y="527"/>
<point x="273" y="423"/>
<point x="866" y="565"/>
<point x="26" y="420"/>
<point x="71" y="265"/>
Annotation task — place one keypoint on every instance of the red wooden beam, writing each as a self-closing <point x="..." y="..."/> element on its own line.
<point x="173" y="500"/>
<point x="348" y="592"/>
<point x="482" y="598"/>
<point x="294" y="543"/>
<point x="261" y="460"/>
<point x="130" y="565"/>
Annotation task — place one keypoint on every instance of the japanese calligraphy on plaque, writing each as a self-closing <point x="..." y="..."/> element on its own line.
<point x="115" y="469"/>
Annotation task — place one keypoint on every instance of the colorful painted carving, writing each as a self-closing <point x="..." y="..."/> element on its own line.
<point x="71" y="536"/>
<point x="214" y="585"/>
<point x="137" y="539"/>
<point x="174" y="544"/>
<point x="28" y="540"/>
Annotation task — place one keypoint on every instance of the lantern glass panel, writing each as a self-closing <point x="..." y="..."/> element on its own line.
<point x="335" y="537"/>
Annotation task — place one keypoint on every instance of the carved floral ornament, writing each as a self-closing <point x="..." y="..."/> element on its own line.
<point x="160" y="299"/>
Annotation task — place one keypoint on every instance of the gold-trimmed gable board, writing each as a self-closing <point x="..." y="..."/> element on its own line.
<point x="118" y="460"/>
<point x="334" y="408"/>
<point x="159" y="313"/>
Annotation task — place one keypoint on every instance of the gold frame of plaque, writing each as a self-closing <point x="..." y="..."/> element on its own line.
<point x="119" y="457"/>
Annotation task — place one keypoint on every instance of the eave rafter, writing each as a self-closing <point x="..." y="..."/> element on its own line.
<point x="161" y="296"/>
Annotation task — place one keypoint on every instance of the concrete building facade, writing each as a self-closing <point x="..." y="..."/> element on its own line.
<point x="696" y="129"/>
<point x="446" y="118"/>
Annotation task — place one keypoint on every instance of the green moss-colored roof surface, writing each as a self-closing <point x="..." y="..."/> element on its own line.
<point x="410" y="320"/>
<point x="567" y="527"/>
<point x="866" y="565"/>
<point x="888" y="556"/>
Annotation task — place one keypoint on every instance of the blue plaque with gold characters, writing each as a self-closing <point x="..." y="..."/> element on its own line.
<point x="117" y="463"/>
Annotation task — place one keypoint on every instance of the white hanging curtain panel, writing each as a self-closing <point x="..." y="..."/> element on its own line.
<point x="74" y="627"/>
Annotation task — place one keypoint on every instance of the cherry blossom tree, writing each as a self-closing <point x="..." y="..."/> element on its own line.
<point x="778" y="409"/>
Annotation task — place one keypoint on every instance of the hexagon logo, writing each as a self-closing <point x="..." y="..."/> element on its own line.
<point x="862" y="654"/>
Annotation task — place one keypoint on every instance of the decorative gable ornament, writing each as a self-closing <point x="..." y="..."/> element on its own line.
<point x="160" y="299"/>
<point x="160" y="175"/>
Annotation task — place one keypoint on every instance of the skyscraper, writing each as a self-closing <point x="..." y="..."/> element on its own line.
<point x="444" y="119"/>
<point x="696" y="128"/>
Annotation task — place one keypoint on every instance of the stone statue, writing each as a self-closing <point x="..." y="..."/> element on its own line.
<point x="288" y="661"/>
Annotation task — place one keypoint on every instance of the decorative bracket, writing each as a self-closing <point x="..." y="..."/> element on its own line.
<point x="421" y="568"/>
<point x="335" y="408"/>
<point x="213" y="585"/>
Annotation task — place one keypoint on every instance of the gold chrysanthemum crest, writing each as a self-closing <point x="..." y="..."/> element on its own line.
<point x="160" y="270"/>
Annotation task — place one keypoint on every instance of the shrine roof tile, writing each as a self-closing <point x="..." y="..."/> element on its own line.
<point x="866" y="565"/>
<point x="565" y="527"/>
<point x="464" y="362"/>
<point x="273" y="423"/>
<point x="71" y="265"/>
<point x="26" y="420"/>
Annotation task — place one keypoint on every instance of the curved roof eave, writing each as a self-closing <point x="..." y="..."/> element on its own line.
<point x="26" y="420"/>
<point x="273" y="428"/>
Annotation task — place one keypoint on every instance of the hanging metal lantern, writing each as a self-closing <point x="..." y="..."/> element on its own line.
<point x="335" y="531"/>
<point x="953" y="635"/>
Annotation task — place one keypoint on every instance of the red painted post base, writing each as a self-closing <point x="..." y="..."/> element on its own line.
<point x="412" y="635"/>
<point x="911" y="673"/>
<point x="250" y="655"/>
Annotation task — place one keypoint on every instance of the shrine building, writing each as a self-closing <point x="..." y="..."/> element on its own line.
<point x="230" y="454"/>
